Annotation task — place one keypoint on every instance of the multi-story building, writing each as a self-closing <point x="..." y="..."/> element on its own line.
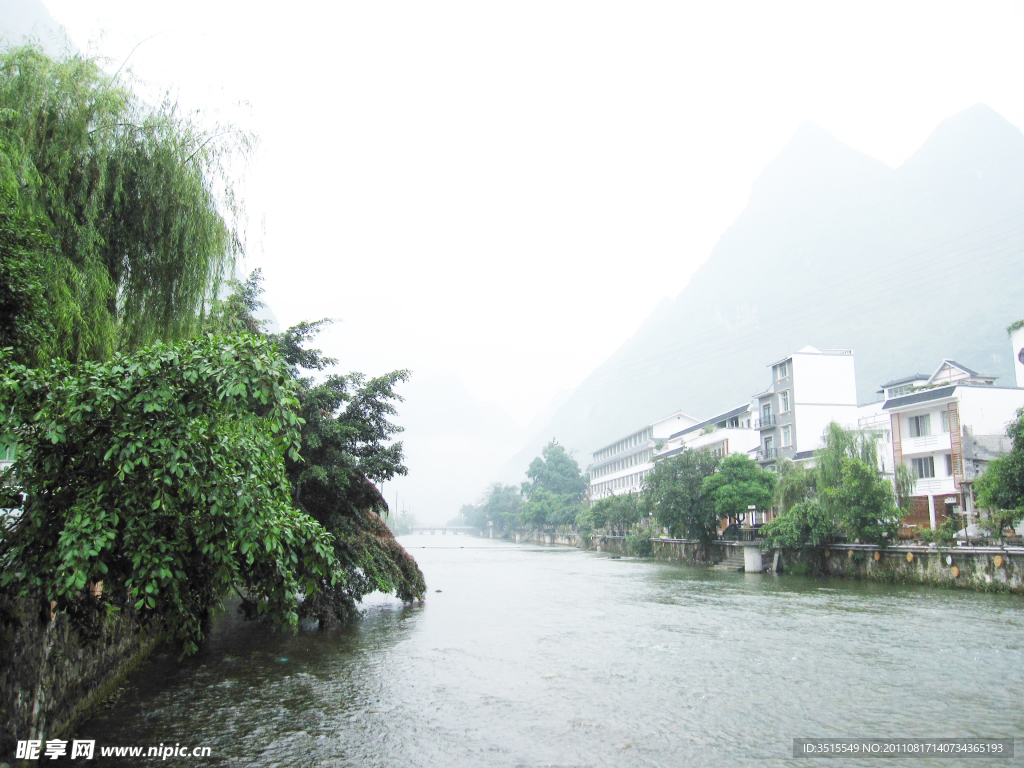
<point x="945" y="431"/>
<point x="724" y="434"/>
<point x="809" y="389"/>
<point x="1017" y="345"/>
<point x="622" y="466"/>
<point x="873" y="421"/>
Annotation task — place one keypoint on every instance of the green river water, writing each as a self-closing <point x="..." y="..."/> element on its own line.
<point x="548" y="656"/>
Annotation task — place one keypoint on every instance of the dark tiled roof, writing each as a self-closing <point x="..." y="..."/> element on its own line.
<point x="712" y="420"/>
<point x="919" y="397"/>
<point x="673" y="452"/>
<point x="905" y="379"/>
<point x="801" y="455"/>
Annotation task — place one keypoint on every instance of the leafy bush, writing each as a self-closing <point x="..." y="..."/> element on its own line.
<point x="945" y="534"/>
<point x="639" y="544"/>
<point x="161" y="473"/>
<point x="844" y="496"/>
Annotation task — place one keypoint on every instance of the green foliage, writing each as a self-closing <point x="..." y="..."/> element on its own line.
<point x="1001" y="488"/>
<point x="738" y="484"/>
<point x="945" y="534"/>
<point x="1014" y="326"/>
<point x="591" y="518"/>
<point x="236" y="313"/>
<point x="162" y="474"/>
<point x="501" y="505"/>
<point x="346" y="445"/>
<point x="639" y="544"/>
<point x="844" y="496"/>
<point x="554" y="490"/>
<point x="25" y="324"/>
<point x="555" y="471"/>
<point x="677" y="495"/>
<point x="132" y="196"/>
<point x="807" y="523"/>
<point x="903" y="486"/>
<point x="467" y="516"/>
<point x="619" y="512"/>
<point x="793" y="485"/>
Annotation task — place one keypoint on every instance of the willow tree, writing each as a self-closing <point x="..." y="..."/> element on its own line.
<point x="135" y="202"/>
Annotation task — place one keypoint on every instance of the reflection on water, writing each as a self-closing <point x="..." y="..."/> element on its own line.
<point x="540" y="656"/>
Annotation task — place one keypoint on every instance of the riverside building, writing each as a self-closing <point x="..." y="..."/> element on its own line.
<point x="809" y="390"/>
<point x="946" y="429"/>
<point x="622" y="466"/>
<point x="723" y="435"/>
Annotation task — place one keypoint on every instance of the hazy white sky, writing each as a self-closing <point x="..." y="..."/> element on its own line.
<point x="503" y="191"/>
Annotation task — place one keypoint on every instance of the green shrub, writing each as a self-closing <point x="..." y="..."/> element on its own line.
<point x="639" y="544"/>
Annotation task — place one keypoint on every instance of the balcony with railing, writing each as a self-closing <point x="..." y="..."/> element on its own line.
<point x="925" y="444"/>
<point x="765" y="422"/>
<point x="767" y="454"/>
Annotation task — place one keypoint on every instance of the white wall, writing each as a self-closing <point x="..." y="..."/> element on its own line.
<point x="871" y="418"/>
<point x="824" y="379"/>
<point x="740" y="440"/>
<point x="672" y="424"/>
<point x="987" y="410"/>
<point x="1017" y="345"/>
<point x="811" y="421"/>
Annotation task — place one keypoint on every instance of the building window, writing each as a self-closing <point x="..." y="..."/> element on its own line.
<point x="766" y="413"/>
<point x="924" y="467"/>
<point x="784" y="401"/>
<point x="782" y="370"/>
<point x="786" y="438"/>
<point x="949" y="464"/>
<point x="768" y="446"/>
<point x="920" y="426"/>
<point x="944" y="418"/>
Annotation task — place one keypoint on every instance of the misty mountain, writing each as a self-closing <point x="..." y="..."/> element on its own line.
<point x="835" y="249"/>
<point x="29" y="19"/>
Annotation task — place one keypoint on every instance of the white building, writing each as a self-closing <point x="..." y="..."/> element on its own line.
<point x="946" y="431"/>
<point x="874" y="421"/>
<point x="725" y="434"/>
<point x="1017" y="345"/>
<point x="810" y="389"/>
<point x="622" y="466"/>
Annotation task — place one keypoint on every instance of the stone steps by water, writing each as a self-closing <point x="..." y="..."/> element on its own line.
<point x="732" y="562"/>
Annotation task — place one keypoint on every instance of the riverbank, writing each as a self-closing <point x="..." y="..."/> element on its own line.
<point x="982" y="568"/>
<point x="550" y="655"/>
<point x="52" y="678"/>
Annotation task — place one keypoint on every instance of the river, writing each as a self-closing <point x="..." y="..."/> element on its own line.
<point x="548" y="656"/>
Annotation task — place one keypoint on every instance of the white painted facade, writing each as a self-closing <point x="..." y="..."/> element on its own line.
<point x="622" y="466"/>
<point x="1017" y="345"/>
<point x="724" y="434"/>
<point x="809" y="390"/>
<point x="874" y="421"/>
<point x="946" y="432"/>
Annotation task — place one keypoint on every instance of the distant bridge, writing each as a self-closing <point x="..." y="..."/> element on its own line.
<point x="443" y="530"/>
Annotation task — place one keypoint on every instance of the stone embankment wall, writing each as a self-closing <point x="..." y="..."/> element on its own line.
<point x="565" y="539"/>
<point x="997" y="569"/>
<point x="51" y="679"/>
<point x="984" y="568"/>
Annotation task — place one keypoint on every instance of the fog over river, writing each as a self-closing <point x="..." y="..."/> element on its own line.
<point x="548" y="656"/>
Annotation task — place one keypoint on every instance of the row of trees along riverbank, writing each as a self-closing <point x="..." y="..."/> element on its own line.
<point x="844" y="496"/>
<point x="166" y="444"/>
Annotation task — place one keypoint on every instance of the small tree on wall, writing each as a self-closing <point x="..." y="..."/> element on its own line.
<point x="738" y="485"/>
<point x="844" y="496"/>
<point x="1001" y="488"/>
<point x="676" y="494"/>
